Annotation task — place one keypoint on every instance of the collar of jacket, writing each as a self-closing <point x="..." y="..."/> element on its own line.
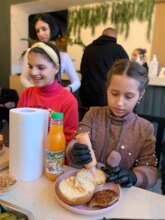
<point x="120" y="120"/>
<point x="103" y="39"/>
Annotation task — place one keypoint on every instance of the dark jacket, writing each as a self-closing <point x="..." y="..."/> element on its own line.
<point x="97" y="59"/>
<point x="7" y="96"/>
<point x="146" y="66"/>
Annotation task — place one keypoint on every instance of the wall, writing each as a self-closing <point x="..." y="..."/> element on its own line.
<point x="17" y="45"/>
<point x="158" y="47"/>
<point x="5" y="40"/>
<point x="137" y="38"/>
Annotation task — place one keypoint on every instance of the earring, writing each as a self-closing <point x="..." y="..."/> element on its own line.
<point x="138" y="102"/>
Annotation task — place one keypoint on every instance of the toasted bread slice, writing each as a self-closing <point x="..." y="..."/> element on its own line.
<point x="103" y="198"/>
<point x="98" y="178"/>
<point x="79" y="189"/>
<point x="75" y="191"/>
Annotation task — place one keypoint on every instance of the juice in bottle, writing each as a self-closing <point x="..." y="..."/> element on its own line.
<point x="54" y="156"/>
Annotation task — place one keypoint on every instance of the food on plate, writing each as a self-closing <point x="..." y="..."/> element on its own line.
<point x="79" y="189"/>
<point x="6" y="181"/>
<point x="103" y="198"/>
<point x="83" y="188"/>
<point x="99" y="177"/>
<point x="76" y="191"/>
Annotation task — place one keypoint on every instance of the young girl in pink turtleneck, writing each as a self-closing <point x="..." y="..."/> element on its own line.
<point x="47" y="93"/>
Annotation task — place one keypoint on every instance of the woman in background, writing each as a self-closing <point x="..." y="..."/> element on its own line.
<point x="139" y="55"/>
<point x="45" y="29"/>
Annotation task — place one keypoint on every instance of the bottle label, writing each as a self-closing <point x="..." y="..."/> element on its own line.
<point x="54" y="162"/>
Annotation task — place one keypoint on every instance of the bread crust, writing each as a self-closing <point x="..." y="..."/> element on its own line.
<point x="98" y="178"/>
<point x="80" y="193"/>
<point x="78" y="189"/>
<point x="78" y="201"/>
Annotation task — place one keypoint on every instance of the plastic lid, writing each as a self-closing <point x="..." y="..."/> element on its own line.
<point x="57" y="115"/>
<point x="154" y="57"/>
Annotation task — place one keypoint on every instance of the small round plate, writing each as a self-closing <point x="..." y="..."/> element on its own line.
<point x="7" y="183"/>
<point x="84" y="209"/>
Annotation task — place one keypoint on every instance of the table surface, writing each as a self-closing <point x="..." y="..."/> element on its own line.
<point x="157" y="81"/>
<point x="38" y="197"/>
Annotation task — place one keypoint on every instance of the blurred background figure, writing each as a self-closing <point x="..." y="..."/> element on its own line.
<point x="139" y="55"/>
<point x="8" y="100"/>
<point x="45" y="29"/>
<point x="97" y="59"/>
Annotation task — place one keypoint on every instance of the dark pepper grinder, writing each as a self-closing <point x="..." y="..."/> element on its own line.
<point x="113" y="168"/>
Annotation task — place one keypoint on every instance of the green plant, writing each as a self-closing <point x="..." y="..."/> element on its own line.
<point x="86" y="17"/>
<point x="123" y="12"/>
<point x="29" y="40"/>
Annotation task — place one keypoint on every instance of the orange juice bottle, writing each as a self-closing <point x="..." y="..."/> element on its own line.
<point x="54" y="157"/>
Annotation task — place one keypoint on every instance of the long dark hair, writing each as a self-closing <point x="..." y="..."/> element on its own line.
<point x="47" y="18"/>
<point x="131" y="69"/>
<point x="46" y="56"/>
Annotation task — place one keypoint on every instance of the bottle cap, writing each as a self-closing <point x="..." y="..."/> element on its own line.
<point x="57" y="115"/>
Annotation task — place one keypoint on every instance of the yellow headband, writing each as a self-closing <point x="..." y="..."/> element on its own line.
<point x="50" y="52"/>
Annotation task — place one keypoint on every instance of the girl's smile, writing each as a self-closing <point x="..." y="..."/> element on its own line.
<point x="41" y="70"/>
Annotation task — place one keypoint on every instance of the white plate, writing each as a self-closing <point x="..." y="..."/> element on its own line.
<point x="84" y="209"/>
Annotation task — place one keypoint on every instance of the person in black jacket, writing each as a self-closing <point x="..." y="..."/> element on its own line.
<point x="97" y="59"/>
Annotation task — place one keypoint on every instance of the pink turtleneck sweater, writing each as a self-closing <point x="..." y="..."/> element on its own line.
<point x="55" y="98"/>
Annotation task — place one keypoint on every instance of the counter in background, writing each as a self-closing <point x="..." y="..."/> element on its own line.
<point x="153" y="102"/>
<point x="157" y="81"/>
